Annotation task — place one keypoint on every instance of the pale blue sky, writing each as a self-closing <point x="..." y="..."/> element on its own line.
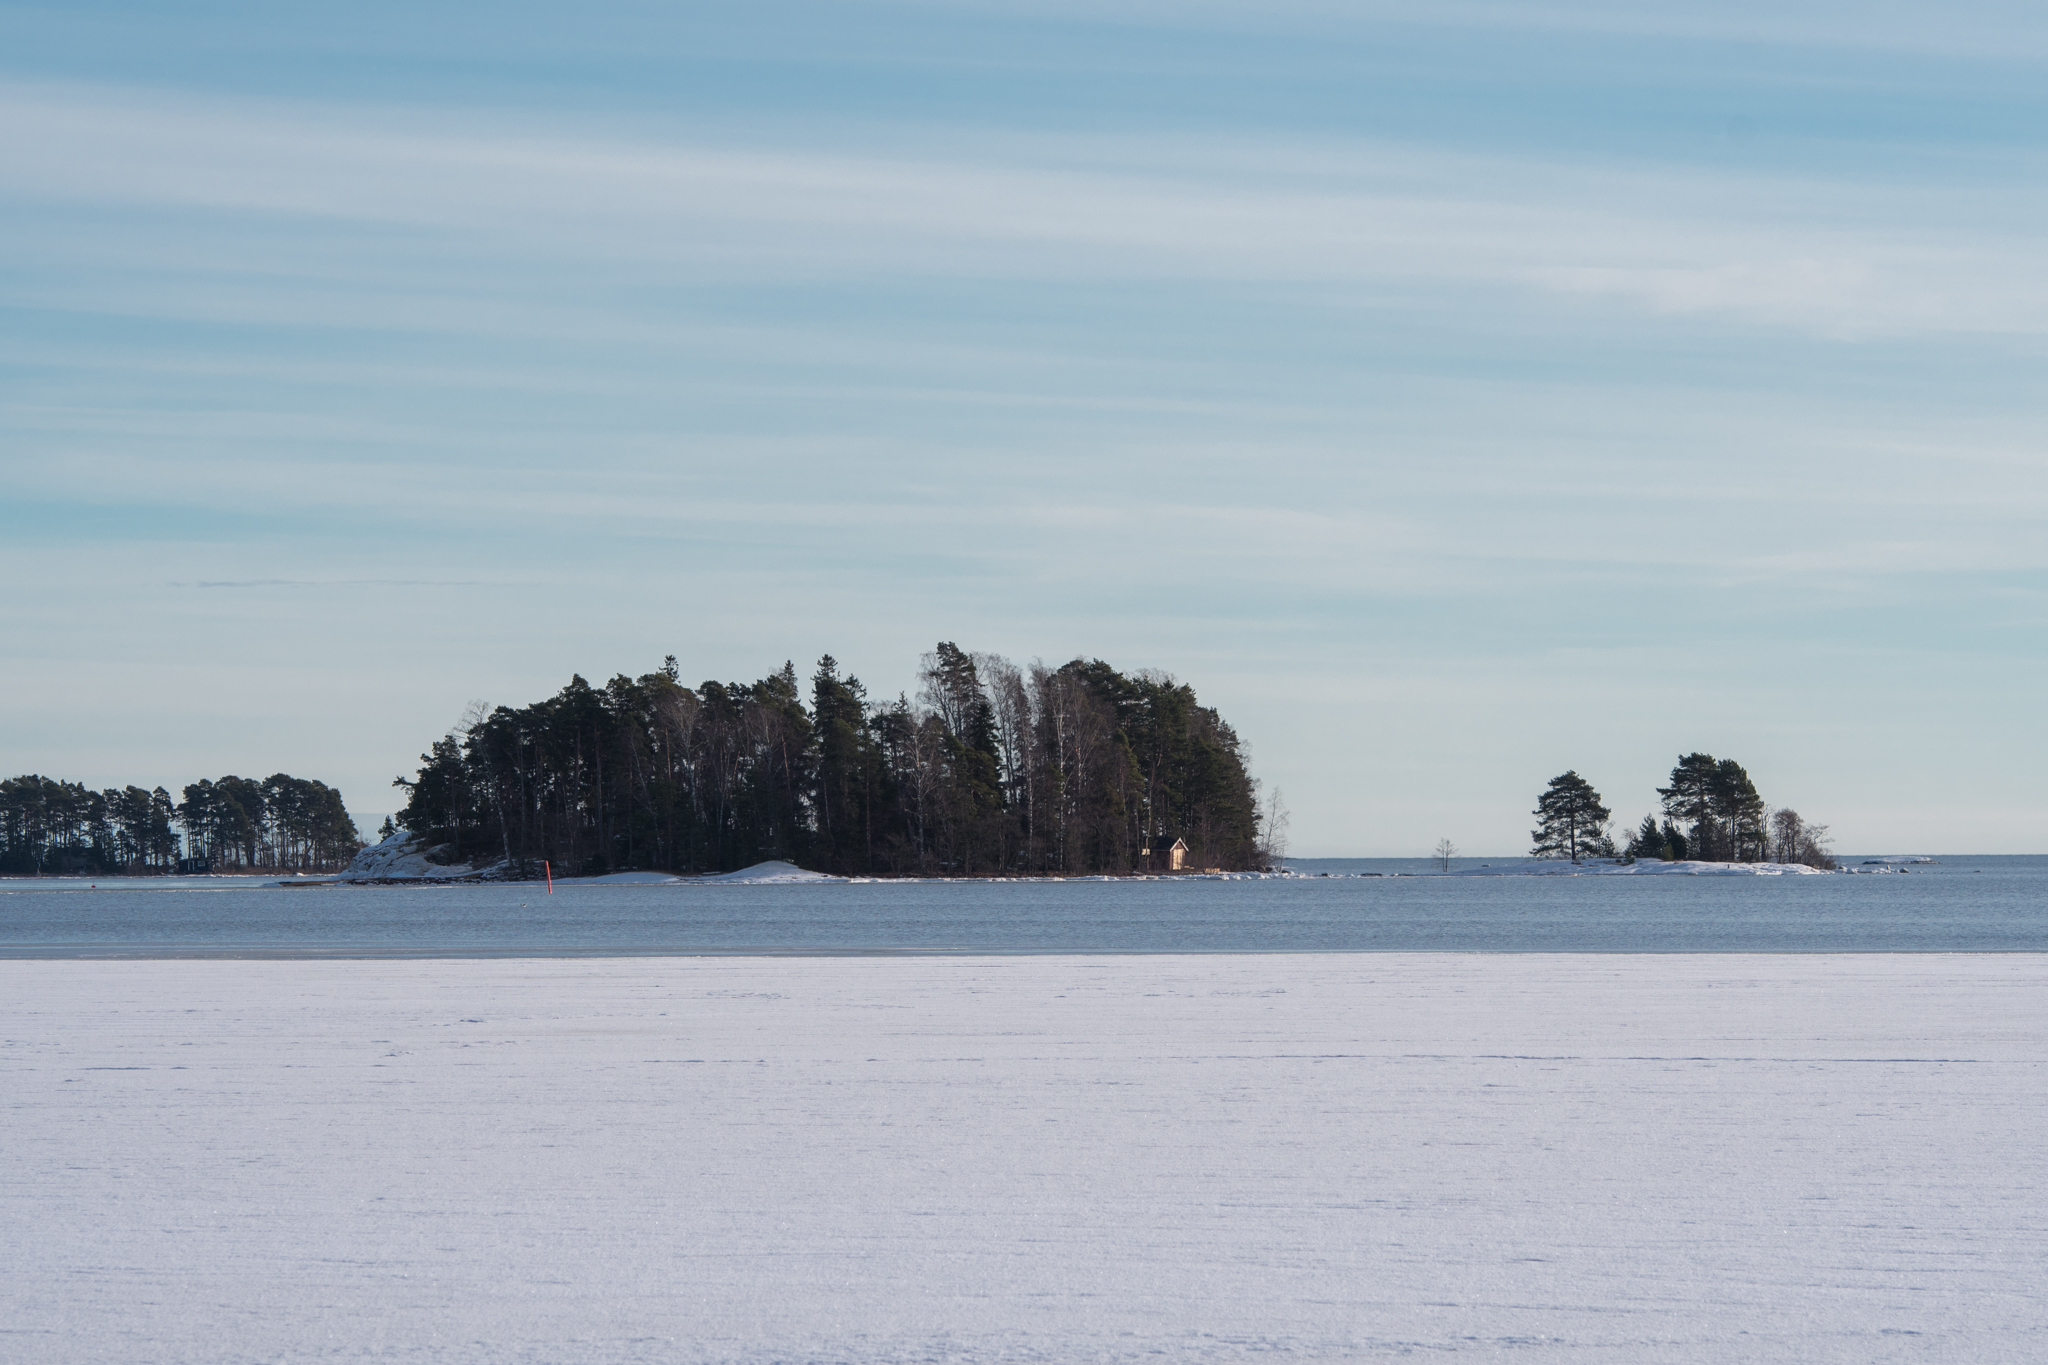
<point x="1454" y="394"/>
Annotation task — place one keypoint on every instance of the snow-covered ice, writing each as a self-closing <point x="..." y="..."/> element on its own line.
<point x="1537" y="1158"/>
<point x="762" y="873"/>
<point x="1647" y="867"/>
<point x="622" y="879"/>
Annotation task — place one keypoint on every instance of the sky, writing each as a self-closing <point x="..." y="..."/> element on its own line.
<point x="1453" y="394"/>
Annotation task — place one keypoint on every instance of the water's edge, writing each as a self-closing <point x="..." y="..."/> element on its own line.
<point x="1995" y="905"/>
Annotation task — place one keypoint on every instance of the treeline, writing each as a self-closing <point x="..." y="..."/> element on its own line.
<point x="280" y="822"/>
<point x="994" y="769"/>
<point x="235" y="824"/>
<point x="1712" y="813"/>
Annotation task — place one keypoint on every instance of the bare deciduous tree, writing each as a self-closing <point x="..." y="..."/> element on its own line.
<point x="1443" y="853"/>
<point x="1273" y="830"/>
<point x="1795" y="841"/>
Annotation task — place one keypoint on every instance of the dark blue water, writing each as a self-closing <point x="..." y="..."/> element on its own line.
<point x="1991" y="904"/>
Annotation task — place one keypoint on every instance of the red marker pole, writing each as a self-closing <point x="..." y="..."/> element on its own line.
<point x="551" y="875"/>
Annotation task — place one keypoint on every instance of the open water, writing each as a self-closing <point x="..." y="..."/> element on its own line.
<point x="1963" y="904"/>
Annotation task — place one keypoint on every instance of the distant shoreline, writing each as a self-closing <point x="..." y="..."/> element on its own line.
<point x="787" y="874"/>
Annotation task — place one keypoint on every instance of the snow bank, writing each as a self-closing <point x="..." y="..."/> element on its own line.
<point x="1526" y="1159"/>
<point x="777" y="872"/>
<point x="1558" y="867"/>
<point x="768" y="872"/>
<point x="402" y="856"/>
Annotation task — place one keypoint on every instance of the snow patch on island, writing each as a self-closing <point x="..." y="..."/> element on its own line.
<point x="405" y="856"/>
<point x="769" y="872"/>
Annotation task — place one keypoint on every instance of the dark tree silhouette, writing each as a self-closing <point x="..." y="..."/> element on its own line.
<point x="994" y="770"/>
<point x="1573" y="821"/>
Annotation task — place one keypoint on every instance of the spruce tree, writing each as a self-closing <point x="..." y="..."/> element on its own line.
<point x="1649" y="841"/>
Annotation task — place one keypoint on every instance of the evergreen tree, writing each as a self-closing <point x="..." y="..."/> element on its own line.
<point x="1649" y="842"/>
<point x="1573" y="821"/>
<point x="970" y="809"/>
<point x="1689" y="800"/>
<point x="851" y="778"/>
<point x="1719" y="807"/>
<point x="1738" y="813"/>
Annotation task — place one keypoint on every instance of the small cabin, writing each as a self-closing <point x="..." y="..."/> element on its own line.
<point x="1162" y="856"/>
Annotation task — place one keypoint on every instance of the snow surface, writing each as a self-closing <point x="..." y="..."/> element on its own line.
<point x="402" y="856"/>
<point x="622" y="879"/>
<point x="771" y="872"/>
<point x="777" y="872"/>
<point x="1210" y="1158"/>
<point x="1559" y="867"/>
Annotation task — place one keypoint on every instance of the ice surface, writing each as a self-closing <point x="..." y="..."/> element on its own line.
<point x="622" y="879"/>
<point x="1648" y="867"/>
<point x="1211" y="1158"/>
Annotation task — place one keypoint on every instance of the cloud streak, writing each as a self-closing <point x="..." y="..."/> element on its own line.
<point x="1982" y="29"/>
<point x="1839" y="260"/>
<point x="335" y="583"/>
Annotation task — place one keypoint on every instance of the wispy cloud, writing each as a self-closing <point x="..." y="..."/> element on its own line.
<point x="1839" y="259"/>
<point x="1973" y="28"/>
<point x="333" y="583"/>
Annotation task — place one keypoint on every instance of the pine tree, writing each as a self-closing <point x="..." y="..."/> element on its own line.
<point x="1574" y="822"/>
<point x="1738" y="811"/>
<point x="1689" y="800"/>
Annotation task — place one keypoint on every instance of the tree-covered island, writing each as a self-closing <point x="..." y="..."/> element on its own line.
<point x="992" y="770"/>
<point x="1712" y="813"/>
<point x="236" y="824"/>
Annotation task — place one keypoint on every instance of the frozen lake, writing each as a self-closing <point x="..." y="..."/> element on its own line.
<point x="1527" y="1157"/>
<point x="1956" y="905"/>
